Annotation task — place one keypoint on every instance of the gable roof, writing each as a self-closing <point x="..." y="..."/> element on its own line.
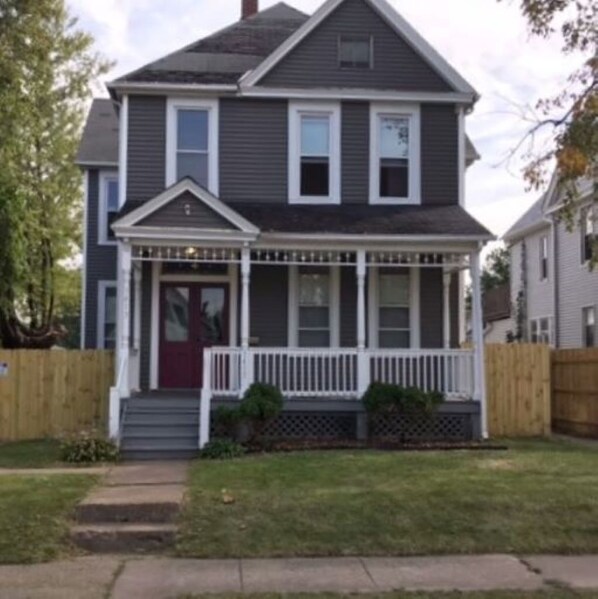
<point x="392" y="17"/>
<point x="99" y="142"/>
<point x="136" y="216"/>
<point x="223" y="57"/>
<point x="531" y="220"/>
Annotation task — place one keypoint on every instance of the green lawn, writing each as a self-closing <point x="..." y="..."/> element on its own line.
<point x="537" y="497"/>
<point x="30" y="454"/>
<point x="34" y="513"/>
<point x="555" y="594"/>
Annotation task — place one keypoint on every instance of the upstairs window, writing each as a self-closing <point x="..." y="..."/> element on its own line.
<point x="543" y="258"/>
<point x="314" y="153"/>
<point x="192" y="142"/>
<point x="589" y="326"/>
<point x="394" y="158"/>
<point x="108" y="207"/>
<point x="589" y="234"/>
<point x="355" y="52"/>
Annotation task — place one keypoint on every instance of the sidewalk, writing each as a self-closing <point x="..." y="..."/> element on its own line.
<point x="162" y="578"/>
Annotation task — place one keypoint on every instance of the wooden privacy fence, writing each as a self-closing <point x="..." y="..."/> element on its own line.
<point x="575" y="391"/>
<point x="53" y="393"/>
<point x="518" y="390"/>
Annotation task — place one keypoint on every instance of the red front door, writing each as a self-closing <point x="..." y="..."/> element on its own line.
<point x="193" y="316"/>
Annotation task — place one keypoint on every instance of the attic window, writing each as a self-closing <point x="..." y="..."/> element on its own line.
<point x="356" y="51"/>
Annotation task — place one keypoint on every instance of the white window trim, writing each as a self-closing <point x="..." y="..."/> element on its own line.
<point x="103" y="286"/>
<point x="412" y="112"/>
<point x="538" y="319"/>
<point x="583" y="325"/>
<point x="335" y="306"/>
<point x="104" y="178"/>
<point x="374" y="307"/>
<point x="212" y="106"/>
<point x="296" y="111"/>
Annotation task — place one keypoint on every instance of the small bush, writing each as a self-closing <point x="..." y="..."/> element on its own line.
<point x="227" y="421"/>
<point x="383" y="398"/>
<point x="88" y="448"/>
<point x="260" y="405"/>
<point x="222" y="449"/>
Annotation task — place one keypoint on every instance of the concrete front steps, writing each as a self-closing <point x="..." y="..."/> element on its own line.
<point x="135" y="511"/>
<point x="160" y="427"/>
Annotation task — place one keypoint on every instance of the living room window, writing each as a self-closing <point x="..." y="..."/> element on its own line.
<point x="589" y="326"/>
<point x="394" y="155"/>
<point x="192" y="142"/>
<point x="106" y="315"/>
<point x="108" y="207"/>
<point x="356" y="51"/>
<point x="314" y="153"/>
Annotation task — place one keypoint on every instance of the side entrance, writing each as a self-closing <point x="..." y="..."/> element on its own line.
<point x="193" y="316"/>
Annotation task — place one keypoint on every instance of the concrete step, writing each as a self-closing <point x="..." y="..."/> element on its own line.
<point x="188" y="404"/>
<point x="159" y="430"/>
<point x="163" y="455"/>
<point x="158" y="504"/>
<point x="156" y="442"/>
<point x="123" y="538"/>
<point x="159" y="418"/>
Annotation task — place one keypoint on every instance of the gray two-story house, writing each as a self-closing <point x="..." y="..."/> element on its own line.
<point x="283" y="202"/>
<point x="554" y="289"/>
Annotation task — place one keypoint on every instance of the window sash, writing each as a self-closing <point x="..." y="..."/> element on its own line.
<point x="109" y="317"/>
<point x="589" y="326"/>
<point x="313" y="304"/>
<point x="400" y="304"/>
<point x="315" y="155"/>
<point x="355" y="52"/>
<point x="184" y="149"/>
<point x="543" y="258"/>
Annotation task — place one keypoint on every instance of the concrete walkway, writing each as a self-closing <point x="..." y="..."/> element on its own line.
<point x="164" y="578"/>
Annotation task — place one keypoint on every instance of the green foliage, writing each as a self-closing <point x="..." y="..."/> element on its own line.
<point x="384" y="398"/>
<point x="222" y="449"/>
<point x="260" y="405"/>
<point x="227" y="420"/>
<point x="88" y="448"/>
<point x="47" y="68"/>
<point x="497" y="269"/>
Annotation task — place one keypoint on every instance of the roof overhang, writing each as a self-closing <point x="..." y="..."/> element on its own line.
<point x="533" y="228"/>
<point x="120" y="88"/>
<point x="392" y="17"/>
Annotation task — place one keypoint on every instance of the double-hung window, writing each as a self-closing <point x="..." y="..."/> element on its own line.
<point x="589" y="326"/>
<point x="589" y="233"/>
<point x="394" y="318"/>
<point x="108" y="207"/>
<point x="540" y="331"/>
<point x="544" y="258"/>
<point x="314" y="153"/>
<point x="106" y="315"/>
<point x="192" y="142"/>
<point x="314" y="308"/>
<point x="394" y="155"/>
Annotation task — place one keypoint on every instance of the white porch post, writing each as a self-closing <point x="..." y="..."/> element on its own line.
<point x="136" y="355"/>
<point x="247" y="369"/>
<point x="447" y="309"/>
<point x="363" y="364"/>
<point x="479" y="392"/>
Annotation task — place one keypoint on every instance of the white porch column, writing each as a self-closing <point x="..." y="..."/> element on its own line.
<point x="479" y="392"/>
<point x="136" y="352"/>
<point x="446" y="280"/>
<point x="247" y="374"/>
<point x="363" y="363"/>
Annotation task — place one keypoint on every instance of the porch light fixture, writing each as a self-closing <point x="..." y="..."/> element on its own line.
<point x="191" y="253"/>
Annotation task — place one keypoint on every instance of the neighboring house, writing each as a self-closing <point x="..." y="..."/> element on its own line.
<point x="497" y="309"/>
<point x="554" y="292"/>
<point x="284" y="204"/>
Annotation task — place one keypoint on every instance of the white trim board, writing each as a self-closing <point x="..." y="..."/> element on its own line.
<point x="123" y="149"/>
<point x="392" y="17"/>
<point x="83" y="319"/>
<point x="173" y="192"/>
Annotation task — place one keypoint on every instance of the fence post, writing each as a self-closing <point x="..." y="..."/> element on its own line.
<point x="206" y="400"/>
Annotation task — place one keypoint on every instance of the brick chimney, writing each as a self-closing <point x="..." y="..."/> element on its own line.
<point x="248" y="8"/>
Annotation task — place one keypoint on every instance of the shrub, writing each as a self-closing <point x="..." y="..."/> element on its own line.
<point x="381" y="398"/>
<point x="227" y="421"/>
<point x="384" y="398"/>
<point x="88" y="448"/>
<point x="222" y="449"/>
<point x="260" y="405"/>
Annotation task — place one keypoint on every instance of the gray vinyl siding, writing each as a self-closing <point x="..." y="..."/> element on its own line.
<point x="174" y="215"/>
<point x="355" y="152"/>
<point x="431" y="309"/>
<point x="100" y="262"/>
<point x="314" y="62"/>
<point x="439" y="154"/>
<point x="269" y="305"/>
<point x="577" y="285"/>
<point x="540" y="298"/>
<point x="253" y="150"/>
<point x="146" y="156"/>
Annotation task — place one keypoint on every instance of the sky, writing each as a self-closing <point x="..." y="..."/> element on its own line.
<point x="485" y="40"/>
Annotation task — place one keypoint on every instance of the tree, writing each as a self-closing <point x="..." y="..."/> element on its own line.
<point x="497" y="269"/>
<point x="572" y="115"/>
<point x="47" y="68"/>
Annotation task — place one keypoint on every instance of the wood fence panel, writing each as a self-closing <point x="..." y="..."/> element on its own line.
<point x="54" y="393"/>
<point x="575" y="391"/>
<point x="518" y="390"/>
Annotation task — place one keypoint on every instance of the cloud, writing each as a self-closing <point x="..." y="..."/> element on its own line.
<point x="486" y="40"/>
